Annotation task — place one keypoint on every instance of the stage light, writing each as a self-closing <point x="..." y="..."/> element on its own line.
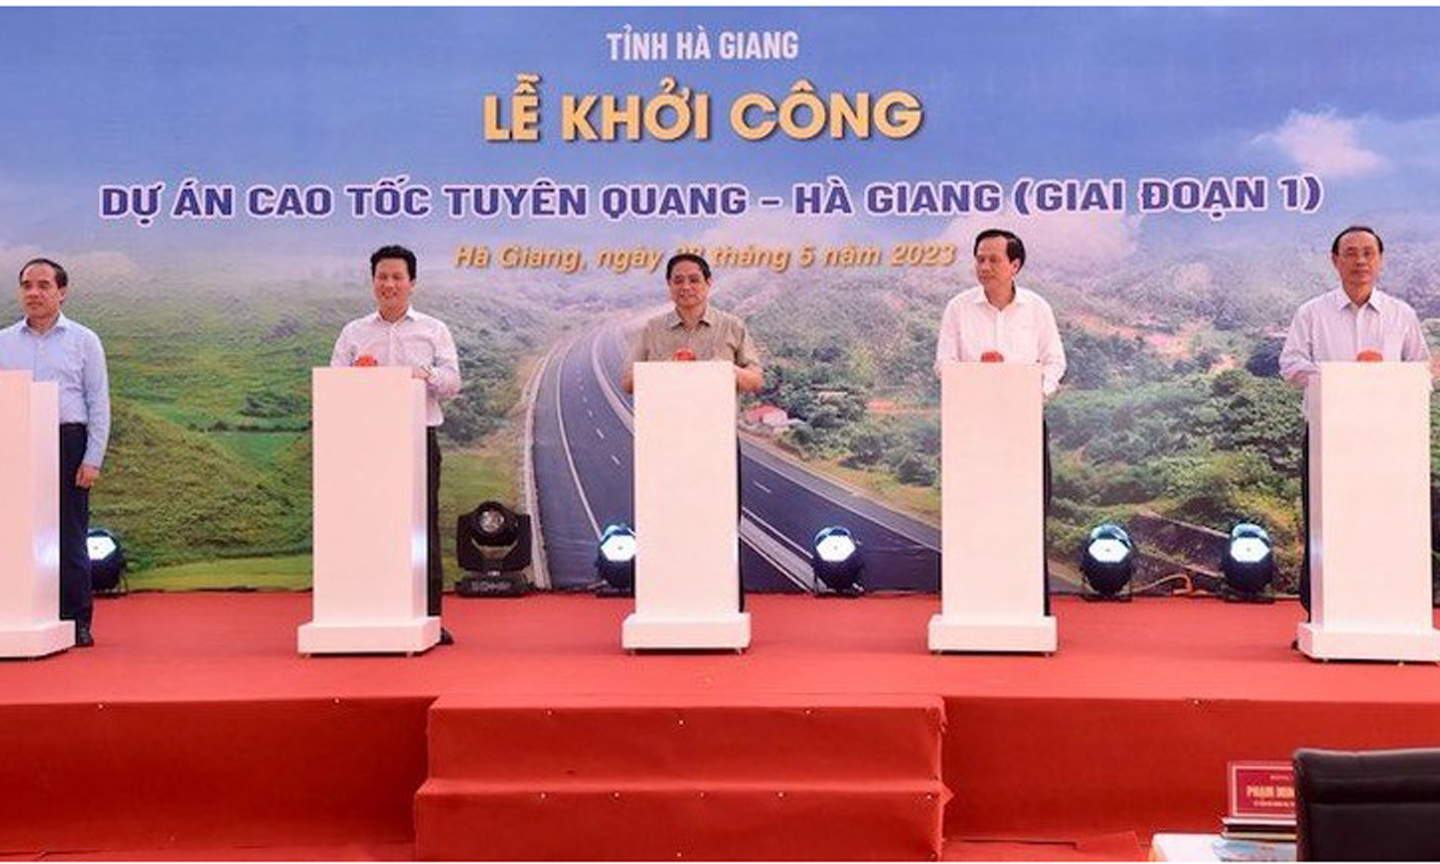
<point x="492" y="544"/>
<point x="1108" y="561"/>
<point x="493" y="525"/>
<point x="837" y="561"/>
<point x="1249" y="562"/>
<point x="615" y="561"/>
<point x="107" y="562"/>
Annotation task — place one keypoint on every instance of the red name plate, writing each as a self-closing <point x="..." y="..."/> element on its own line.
<point x="1262" y="789"/>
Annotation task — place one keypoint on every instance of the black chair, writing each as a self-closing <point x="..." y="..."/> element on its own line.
<point x="1380" y="805"/>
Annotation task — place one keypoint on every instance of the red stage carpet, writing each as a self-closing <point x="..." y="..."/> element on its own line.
<point x="193" y="728"/>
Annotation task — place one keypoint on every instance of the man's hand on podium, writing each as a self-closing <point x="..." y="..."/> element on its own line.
<point x="748" y="380"/>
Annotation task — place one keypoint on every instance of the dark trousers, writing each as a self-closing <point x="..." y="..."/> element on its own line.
<point x="76" y="602"/>
<point x="1305" y="522"/>
<point x="435" y="577"/>
<point x="739" y="513"/>
<point x="1045" y="516"/>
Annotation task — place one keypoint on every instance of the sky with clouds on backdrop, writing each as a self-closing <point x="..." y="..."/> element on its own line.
<point x="336" y="96"/>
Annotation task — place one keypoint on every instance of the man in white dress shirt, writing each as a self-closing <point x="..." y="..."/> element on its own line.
<point x="397" y="335"/>
<point x="1356" y="321"/>
<point x="998" y="321"/>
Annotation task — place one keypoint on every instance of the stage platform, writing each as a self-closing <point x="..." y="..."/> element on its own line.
<point x="193" y="729"/>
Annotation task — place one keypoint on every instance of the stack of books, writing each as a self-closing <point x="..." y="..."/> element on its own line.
<point x="1275" y="829"/>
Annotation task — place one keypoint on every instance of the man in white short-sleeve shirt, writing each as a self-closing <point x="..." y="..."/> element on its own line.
<point x="998" y="321"/>
<point x="1356" y="321"/>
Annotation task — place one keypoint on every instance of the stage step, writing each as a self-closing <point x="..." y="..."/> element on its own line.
<point x="684" y="777"/>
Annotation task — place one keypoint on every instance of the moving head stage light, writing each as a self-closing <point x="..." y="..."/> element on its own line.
<point x="837" y="561"/>
<point x="492" y="544"/>
<point x="107" y="562"/>
<point x="615" y="561"/>
<point x="1248" y="564"/>
<point x="1108" y="563"/>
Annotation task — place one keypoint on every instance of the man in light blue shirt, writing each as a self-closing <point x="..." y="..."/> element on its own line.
<point x="54" y="348"/>
<point x="1356" y="321"/>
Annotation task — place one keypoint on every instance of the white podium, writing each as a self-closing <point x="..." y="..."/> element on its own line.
<point x="992" y="511"/>
<point x="30" y="624"/>
<point x="370" y="533"/>
<point x="687" y="564"/>
<point x="1370" y="514"/>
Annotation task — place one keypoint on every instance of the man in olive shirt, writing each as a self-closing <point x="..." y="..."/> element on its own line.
<point x="695" y="330"/>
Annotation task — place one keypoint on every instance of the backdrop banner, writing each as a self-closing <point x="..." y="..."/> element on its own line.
<point x="216" y="179"/>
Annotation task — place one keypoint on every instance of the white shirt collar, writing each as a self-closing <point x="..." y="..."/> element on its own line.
<point x="1021" y="297"/>
<point x="409" y="313"/>
<point x="1375" y="301"/>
